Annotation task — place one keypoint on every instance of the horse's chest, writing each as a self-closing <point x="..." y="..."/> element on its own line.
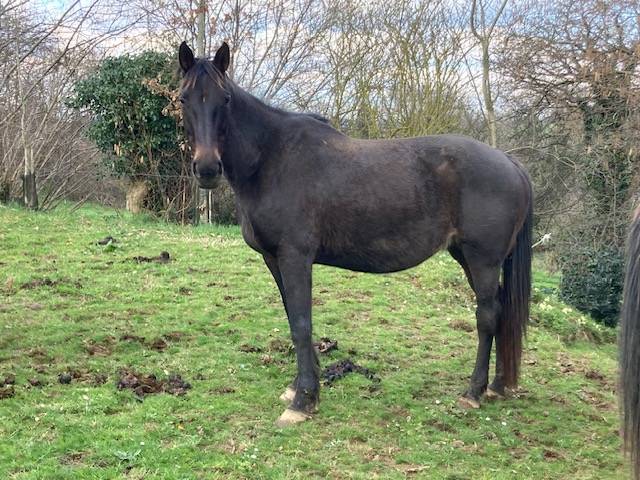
<point x="256" y="237"/>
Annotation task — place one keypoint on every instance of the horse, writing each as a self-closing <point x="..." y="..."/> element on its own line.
<point x="629" y="342"/>
<point x="307" y="194"/>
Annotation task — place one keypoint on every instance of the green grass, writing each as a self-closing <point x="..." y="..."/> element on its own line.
<point x="62" y="296"/>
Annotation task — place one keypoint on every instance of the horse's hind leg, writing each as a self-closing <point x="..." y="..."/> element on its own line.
<point x="484" y="277"/>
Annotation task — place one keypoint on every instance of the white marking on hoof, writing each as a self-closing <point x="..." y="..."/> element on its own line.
<point x="288" y="395"/>
<point x="291" y="417"/>
<point x="466" y="403"/>
<point x="493" y="395"/>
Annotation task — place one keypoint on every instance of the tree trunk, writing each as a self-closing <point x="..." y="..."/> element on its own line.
<point x="136" y="194"/>
<point x="29" y="189"/>
<point x="486" y="92"/>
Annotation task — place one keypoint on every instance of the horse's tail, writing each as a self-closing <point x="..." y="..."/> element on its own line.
<point x="514" y="297"/>
<point x="630" y="348"/>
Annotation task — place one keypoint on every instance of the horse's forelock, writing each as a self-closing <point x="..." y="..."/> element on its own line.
<point x="203" y="67"/>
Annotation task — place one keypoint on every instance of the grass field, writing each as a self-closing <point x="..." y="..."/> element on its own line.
<point x="76" y="311"/>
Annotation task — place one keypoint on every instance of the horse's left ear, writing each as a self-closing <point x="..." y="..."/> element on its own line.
<point x="222" y="58"/>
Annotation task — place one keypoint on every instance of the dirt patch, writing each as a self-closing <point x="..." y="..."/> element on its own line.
<point x="7" y="392"/>
<point x="600" y="378"/>
<point x="340" y="369"/>
<point x="325" y="345"/>
<point x="100" y="349"/>
<point x="159" y="343"/>
<point x="246" y="348"/>
<point x="127" y="337"/>
<point x="173" y="336"/>
<point x="107" y="240"/>
<point x="224" y="390"/>
<point x="35" y="382"/>
<point x="39" y="282"/>
<point x="463" y="325"/>
<point x="143" y="385"/>
<point x="9" y="379"/>
<point x="73" y="458"/>
<point x="280" y="345"/>
<point x="47" y="282"/>
<point x="164" y="257"/>
<point x="81" y="375"/>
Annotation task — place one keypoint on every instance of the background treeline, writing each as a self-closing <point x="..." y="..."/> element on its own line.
<point x="88" y="107"/>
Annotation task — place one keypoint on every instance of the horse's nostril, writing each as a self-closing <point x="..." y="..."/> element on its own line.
<point x="219" y="168"/>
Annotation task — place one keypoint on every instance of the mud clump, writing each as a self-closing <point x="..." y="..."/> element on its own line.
<point x="340" y="369"/>
<point x="107" y="240"/>
<point x="127" y="337"/>
<point x="143" y="385"/>
<point x="246" y="348"/>
<point x="325" y="345"/>
<point x="39" y="282"/>
<point x="158" y="344"/>
<point x="164" y="257"/>
<point x="7" y="391"/>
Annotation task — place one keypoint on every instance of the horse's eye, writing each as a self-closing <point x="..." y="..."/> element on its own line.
<point x="183" y="100"/>
<point x="227" y="98"/>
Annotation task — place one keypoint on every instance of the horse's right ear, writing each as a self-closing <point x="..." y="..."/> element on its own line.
<point x="186" y="58"/>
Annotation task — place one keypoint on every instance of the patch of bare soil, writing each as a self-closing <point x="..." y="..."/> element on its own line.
<point x="100" y="349"/>
<point x="127" y="337"/>
<point x="164" y="257"/>
<point x="463" y="325"/>
<point x="246" y="348"/>
<point x="158" y="344"/>
<point x="47" y="282"/>
<point x="7" y="384"/>
<point x="81" y="375"/>
<point x="107" y="240"/>
<point x="325" y="345"/>
<point x="143" y="385"/>
<point x="73" y="458"/>
<point x="39" y="282"/>
<point x="280" y="345"/>
<point x="224" y="390"/>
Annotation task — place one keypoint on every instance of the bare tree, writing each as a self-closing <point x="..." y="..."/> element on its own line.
<point x="483" y="30"/>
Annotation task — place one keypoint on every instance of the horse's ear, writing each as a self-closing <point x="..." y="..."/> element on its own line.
<point x="222" y="58"/>
<point x="186" y="58"/>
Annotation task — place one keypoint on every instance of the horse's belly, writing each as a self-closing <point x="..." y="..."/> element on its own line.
<point x="380" y="255"/>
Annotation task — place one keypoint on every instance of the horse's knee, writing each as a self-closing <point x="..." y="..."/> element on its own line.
<point x="487" y="314"/>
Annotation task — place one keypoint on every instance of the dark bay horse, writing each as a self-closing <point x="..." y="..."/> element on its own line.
<point x="630" y="348"/>
<point x="308" y="194"/>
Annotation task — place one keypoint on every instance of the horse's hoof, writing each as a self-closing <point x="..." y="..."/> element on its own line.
<point x="466" y="403"/>
<point x="493" y="395"/>
<point x="288" y="395"/>
<point x="291" y="417"/>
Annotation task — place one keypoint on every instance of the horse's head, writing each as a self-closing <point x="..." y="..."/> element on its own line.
<point x="205" y="108"/>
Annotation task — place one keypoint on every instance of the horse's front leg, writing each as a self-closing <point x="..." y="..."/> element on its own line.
<point x="272" y="264"/>
<point x="295" y="271"/>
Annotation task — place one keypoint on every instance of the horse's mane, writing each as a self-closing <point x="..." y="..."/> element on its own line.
<point x="206" y="67"/>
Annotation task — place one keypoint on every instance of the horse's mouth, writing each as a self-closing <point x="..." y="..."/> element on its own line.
<point x="208" y="182"/>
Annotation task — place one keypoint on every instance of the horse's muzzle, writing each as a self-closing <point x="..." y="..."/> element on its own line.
<point x="207" y="173"/>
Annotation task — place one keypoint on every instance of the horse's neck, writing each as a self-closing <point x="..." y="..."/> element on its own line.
<point x="252" y="129"/>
